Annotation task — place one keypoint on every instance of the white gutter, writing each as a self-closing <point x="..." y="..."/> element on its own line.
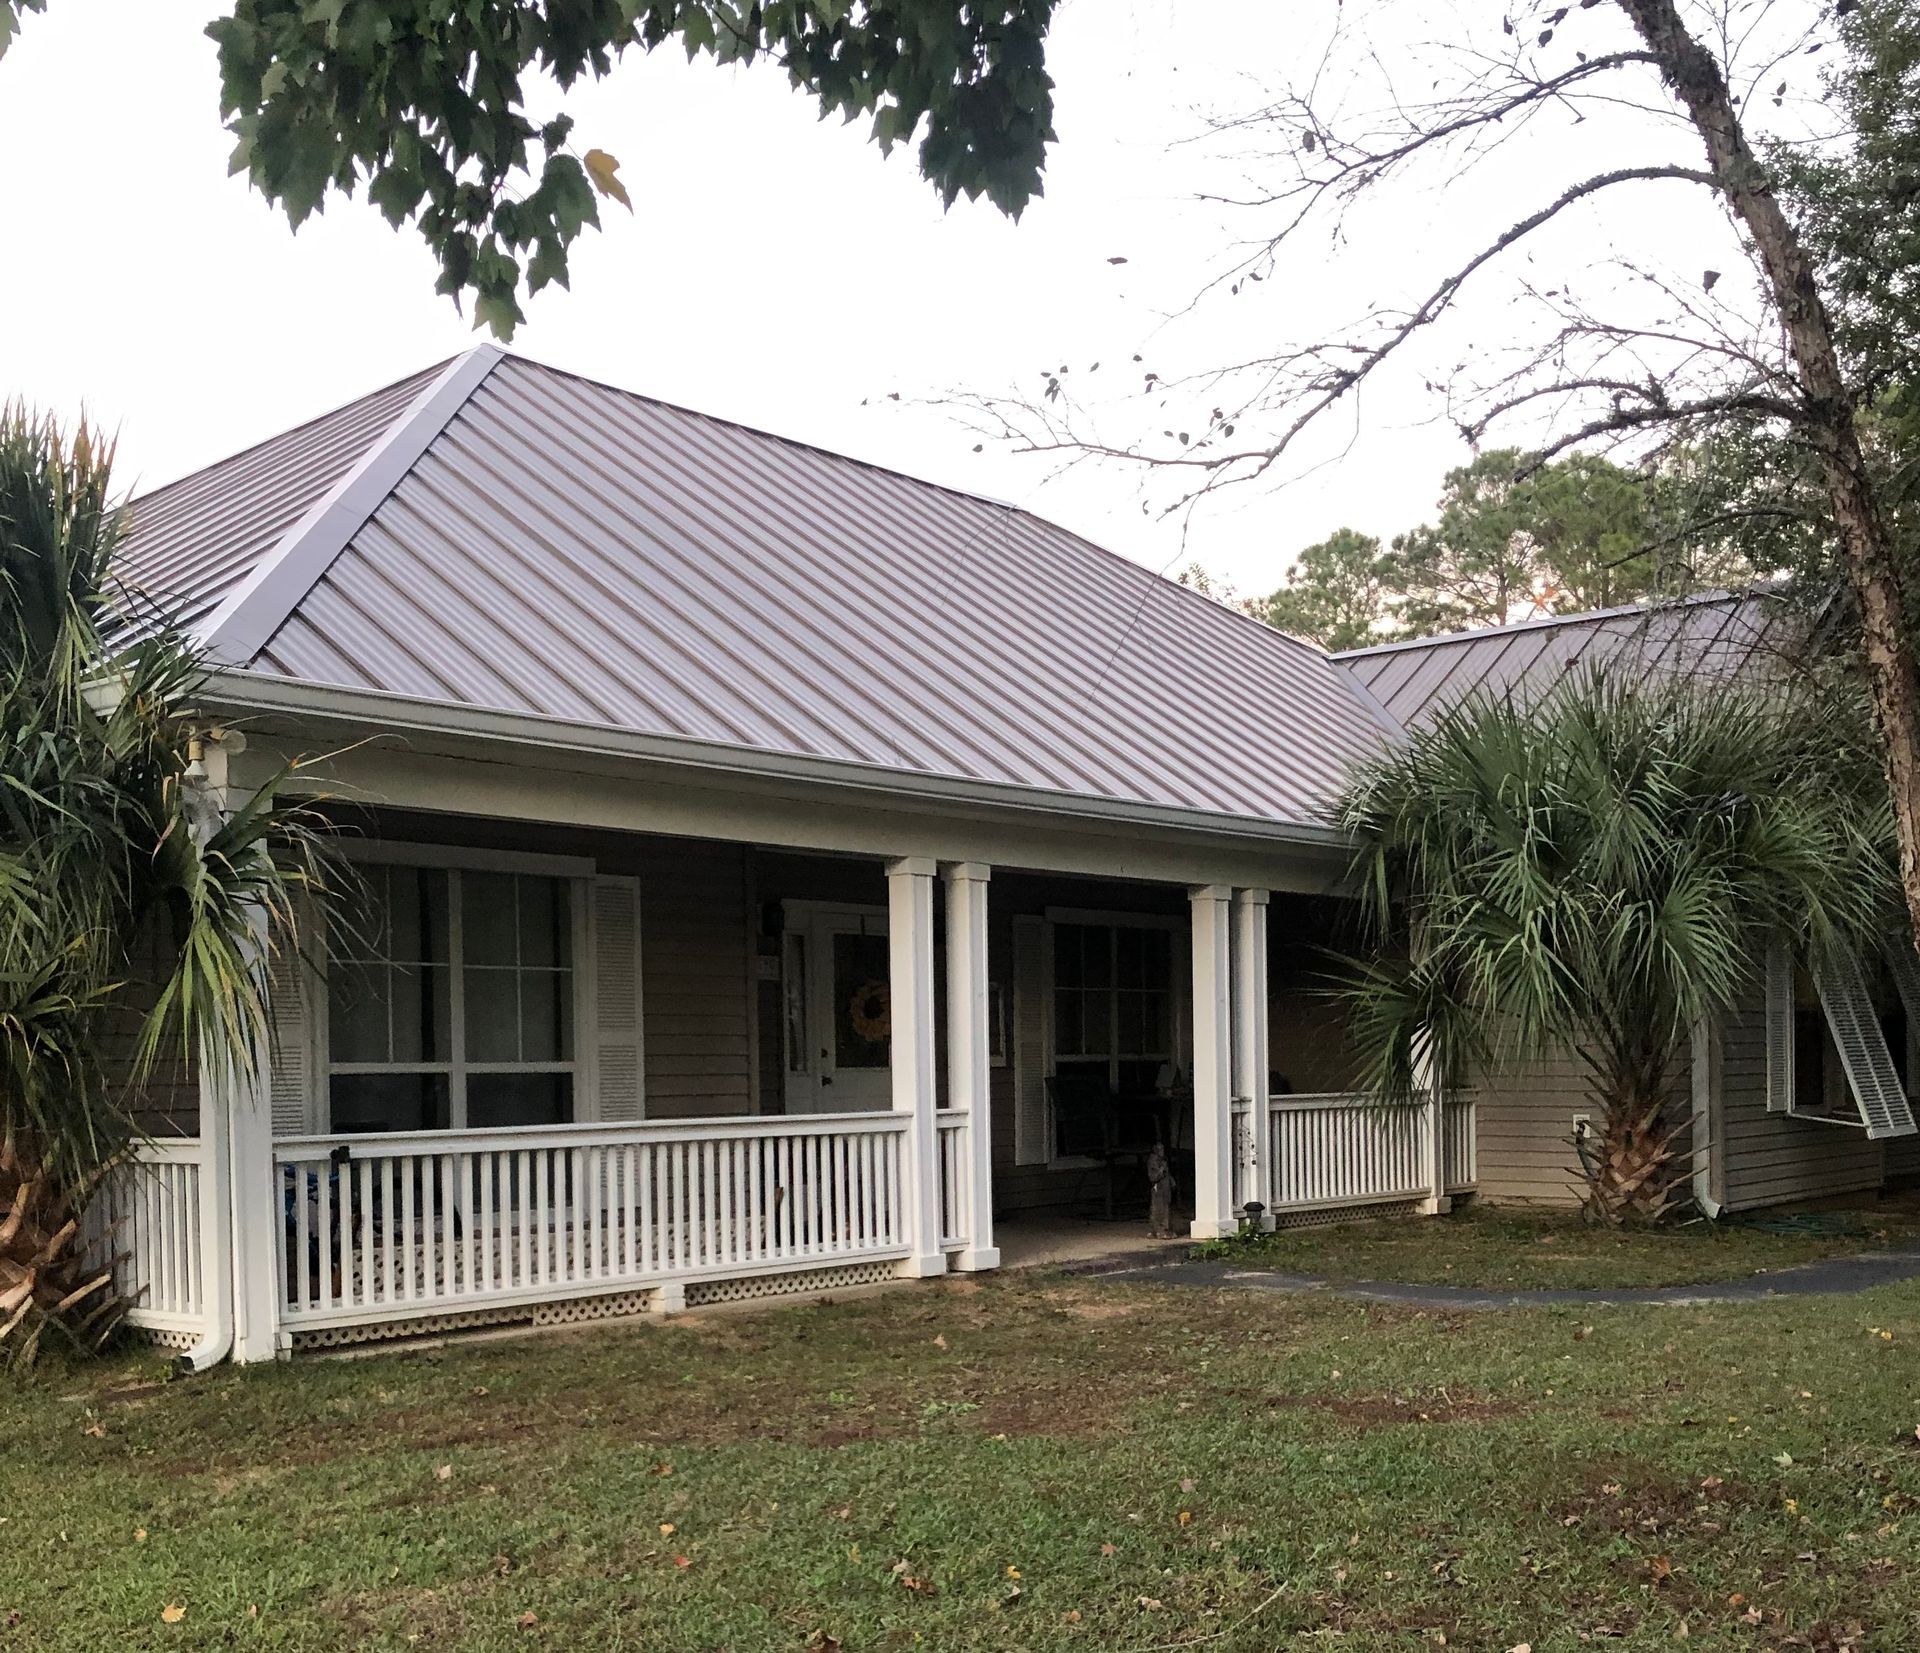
<point x="384" y="713"/>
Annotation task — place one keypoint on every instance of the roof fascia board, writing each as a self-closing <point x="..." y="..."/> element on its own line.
<point x="371" y="711"/>
<point x="240" y="627"/>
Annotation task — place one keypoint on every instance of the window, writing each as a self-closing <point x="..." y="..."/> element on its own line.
<point x="451" y="1002"/>
<point x="1113" y="1007"/>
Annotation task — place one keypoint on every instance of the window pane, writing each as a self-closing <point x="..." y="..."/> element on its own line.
<point x="546" y="1016"/>
<point x="502" y="1099"/>
<point x="1131" y="1040"/>
<point x="544" y="937"/>
<point x="1067" y="972"/>
<point x="862" y="1002"/>
<point x="1099" y="965"/>
<point x="1097" y="1039"/>
<point x="1068" y="1038"/>
<point x="420" y="1014"/>
<point x="493" y="1015"/>
<point x="488" y="915"/>
<point x="1156" y="958"/>
<point x="1129" y="947"/>
<point x="357" y="1012"/>
<point x="1156" y="1024"/>
<point x="388" y="1101"/>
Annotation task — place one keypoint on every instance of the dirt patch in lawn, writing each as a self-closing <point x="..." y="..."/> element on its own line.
<point x="1638" y="1500"/>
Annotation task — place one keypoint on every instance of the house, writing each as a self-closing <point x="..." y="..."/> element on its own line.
<point x="775" y="872"/>
<point x="1802" y="1091"/>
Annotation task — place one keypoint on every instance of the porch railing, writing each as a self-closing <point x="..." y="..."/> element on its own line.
<point x="393" y="1227"/>
<point x="146" y="1218"/>
<point x="956" y="1179"/>
<point x="1339" y="1149"/>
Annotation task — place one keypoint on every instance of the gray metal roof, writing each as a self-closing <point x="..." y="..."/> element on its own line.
<point x="518" y="539"/>
<point x="192" y="541"/>
<point x="1717" y="633"/>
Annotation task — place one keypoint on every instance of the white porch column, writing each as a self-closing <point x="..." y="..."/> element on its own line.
<point x="1252" y="1059"/>
<point x="1426" y="1079"/>
<point x="969" y="1056"/>
<point x="910" y="970"/>
<point x="1212" y="1064"/>
<point x="243" y="1095"/>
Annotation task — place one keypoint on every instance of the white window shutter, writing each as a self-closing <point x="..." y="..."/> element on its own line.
<point x="1779" y="996"/>
<point x="1863" y="1047"/>
<point x="295" y="1025"/>
<point x="1032" y="1018"/>
<point x="618" y="1017"/>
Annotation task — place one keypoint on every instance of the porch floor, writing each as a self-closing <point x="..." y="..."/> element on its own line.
<point x="1046" y="1240"/>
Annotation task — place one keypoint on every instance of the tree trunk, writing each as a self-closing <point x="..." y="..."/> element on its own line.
<point x="1828" y="418"/>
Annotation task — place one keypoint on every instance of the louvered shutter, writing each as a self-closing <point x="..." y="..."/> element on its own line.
<point x="1779" y="1015"/>
<point x="1863" y="1047"/>
<point x="294" y="1000"/>
<point x="618" y="1023"/>
<point x="1031" y="1058"/>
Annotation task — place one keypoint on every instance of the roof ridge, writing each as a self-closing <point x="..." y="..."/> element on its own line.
<point x="1540" y="622"/>
<point x="255" y="609"/>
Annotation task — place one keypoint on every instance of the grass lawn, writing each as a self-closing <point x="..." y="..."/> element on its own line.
<point x="1012" y="1463"/>
<point x="1483" y="1246"/>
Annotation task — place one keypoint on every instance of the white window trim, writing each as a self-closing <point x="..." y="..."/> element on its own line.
<point x="578" y="873"/>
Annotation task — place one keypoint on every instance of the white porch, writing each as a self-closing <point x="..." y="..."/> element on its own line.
<point x="711" y="1127"/>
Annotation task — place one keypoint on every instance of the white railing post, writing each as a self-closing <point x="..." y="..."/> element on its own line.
<point x="1213" y="1213"/>
<point x="1426" y="1080"/>
<point x="1252" y="1059"/>
<point x="910" y="959"/>
<point x="970" y="1058"/>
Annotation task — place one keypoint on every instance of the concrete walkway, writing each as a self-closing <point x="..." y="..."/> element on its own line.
<point x="1832" y="1276"/>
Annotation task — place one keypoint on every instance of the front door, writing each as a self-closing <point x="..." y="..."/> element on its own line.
<point x="849" y="1014"/>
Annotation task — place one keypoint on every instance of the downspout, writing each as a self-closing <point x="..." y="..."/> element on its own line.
<point x="1703" y="1050"/>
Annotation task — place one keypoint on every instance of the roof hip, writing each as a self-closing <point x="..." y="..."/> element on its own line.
<point x="254" y="610"/>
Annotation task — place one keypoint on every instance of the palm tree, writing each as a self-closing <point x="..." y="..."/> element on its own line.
<point x="1594" y="870"/>
<point x="112" y="857"/>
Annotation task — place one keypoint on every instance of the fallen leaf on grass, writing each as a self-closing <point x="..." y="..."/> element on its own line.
<point x="444" y="1473"/>
<point x="1109" y="1549"/>
<point x="139" y="1535"/>
<point x="527" y="1620"/>
<point x="1661" y="1567"/>
<point x="666" y="1529"/>
<point x="1186" y="1518"/>
<point x="940" y="1342"/>
<point x="172" y="1613"/>
<point x="683" y="1561"/>
<point x="96" y="1429"/>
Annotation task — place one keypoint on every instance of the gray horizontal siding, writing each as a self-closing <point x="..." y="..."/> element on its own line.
<point x="1772" y="1158"/>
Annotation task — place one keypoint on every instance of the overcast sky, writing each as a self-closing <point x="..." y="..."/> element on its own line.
<point x="775" y="270"/>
